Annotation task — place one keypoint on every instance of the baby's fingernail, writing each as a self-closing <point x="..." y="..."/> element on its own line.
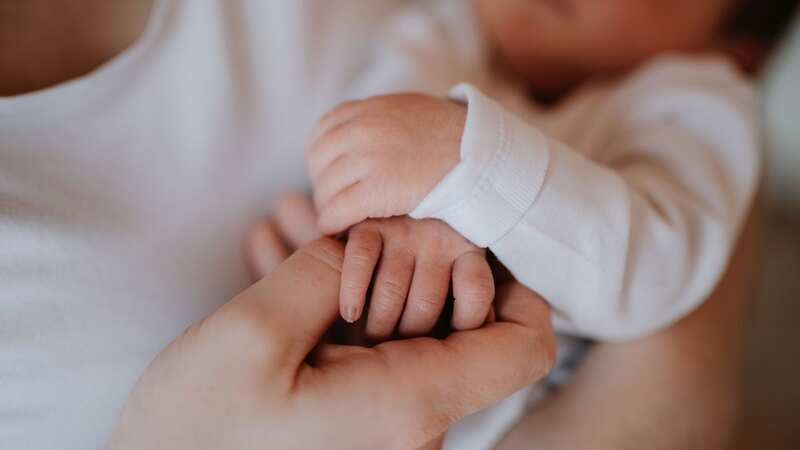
<point x="351" y="314"/>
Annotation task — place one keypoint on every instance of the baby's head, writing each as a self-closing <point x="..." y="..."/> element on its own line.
<point x="556" y="44"/>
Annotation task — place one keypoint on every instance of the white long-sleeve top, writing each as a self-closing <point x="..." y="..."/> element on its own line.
<point x="125" y="194"/>
<point x="622" y="206"/>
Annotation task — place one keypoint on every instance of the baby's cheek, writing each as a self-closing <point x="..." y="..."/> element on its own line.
<point x="504" y="23"/>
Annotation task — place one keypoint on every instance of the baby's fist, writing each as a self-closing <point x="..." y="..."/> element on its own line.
<point x="409" y="264"/>
<point x="380" y="157"/>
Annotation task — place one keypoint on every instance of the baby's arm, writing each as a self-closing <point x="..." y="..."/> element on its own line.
<point x="412" y="263"/>
<point x="620" y="249"/>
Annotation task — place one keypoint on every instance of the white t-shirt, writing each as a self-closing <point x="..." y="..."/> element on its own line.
<point x="125" y="194"/>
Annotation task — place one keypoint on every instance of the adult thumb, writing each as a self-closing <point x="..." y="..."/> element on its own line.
<point x="297" y="302"/>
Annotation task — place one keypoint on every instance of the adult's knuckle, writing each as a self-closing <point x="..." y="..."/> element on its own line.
<point x="244" y="328"/>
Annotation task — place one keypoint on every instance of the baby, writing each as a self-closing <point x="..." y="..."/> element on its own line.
<point x="618" y="196"/>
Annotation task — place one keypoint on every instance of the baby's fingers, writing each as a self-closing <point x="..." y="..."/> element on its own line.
<point x="389" y="293"/>
<point x="473" y="289"/>
<point x="426" y="298"/>
<point x="360" y="257"/>
<point x="344" y="172"/>
<point x="352" y="205"/>
<point x="336" y="134"/>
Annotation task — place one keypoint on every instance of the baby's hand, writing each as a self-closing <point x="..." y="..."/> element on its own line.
<point x="413" y="262"/>
<point x="380" y="157"/>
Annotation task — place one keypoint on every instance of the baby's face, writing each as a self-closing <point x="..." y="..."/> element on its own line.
<point x="557" y="43"/>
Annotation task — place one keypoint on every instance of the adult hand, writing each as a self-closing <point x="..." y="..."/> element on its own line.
<point x="246" y="377"/>
<point x="677" y="389"/>
<point x="292" y="225"/>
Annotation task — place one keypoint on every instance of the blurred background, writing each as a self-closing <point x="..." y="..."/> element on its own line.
<point x="772" y="410"/>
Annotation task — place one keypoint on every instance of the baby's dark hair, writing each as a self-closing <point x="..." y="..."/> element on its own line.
<point x="765" y="20"/>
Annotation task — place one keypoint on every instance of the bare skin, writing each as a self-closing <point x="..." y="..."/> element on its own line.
<point x="256" y="372"/>
<point x="47" y="42"/>
<point x="557" y="44"/>
<point x="623" y="394"/>
<point x="41" y="46"/>
<point x="679" y="389"/>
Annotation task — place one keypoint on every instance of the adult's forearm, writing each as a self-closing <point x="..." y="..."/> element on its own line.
<point x="679" y="389"/>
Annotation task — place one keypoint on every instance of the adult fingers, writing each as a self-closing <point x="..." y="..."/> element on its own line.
<point x="296" y="219"/>
<point x="325" y="354"/>
<point x="291" y="308"/>
<point x="475" y="368"/>
<point x="389" y="292"/>
<point x="473" y="290"/>
<point x="360" y="257"/>
<point x="265" y="250"/>
<point x="416" y="388"/>
<point x="426" y="297"/>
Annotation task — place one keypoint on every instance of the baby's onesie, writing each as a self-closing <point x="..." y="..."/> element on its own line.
<point x="621" y="206"/>
<point x="125" y="194"/>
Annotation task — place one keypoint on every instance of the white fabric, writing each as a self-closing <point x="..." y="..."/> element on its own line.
<point x="125" y="194"/>
<point x="622" y="206"/>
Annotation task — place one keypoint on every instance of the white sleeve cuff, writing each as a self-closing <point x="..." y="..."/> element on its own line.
<point x="503" y="164"/>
